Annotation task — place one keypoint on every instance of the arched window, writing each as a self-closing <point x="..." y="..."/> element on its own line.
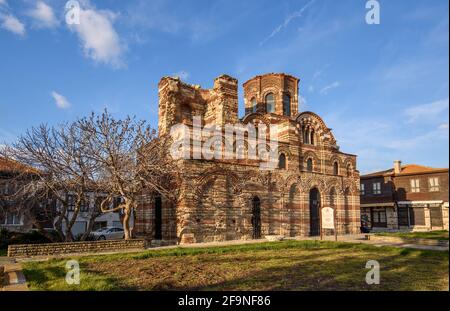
<point x="311" y="140"/>
<point x="349" y="170"/>
<point x="309" y="165"/>
<point x="287" y="105"/>
<point x="335" y="168"/>
<point x="270" y="103"/>
<point x="254" y="105"/>
<point x="282" y="162"/>
<point x="305" y="136"/>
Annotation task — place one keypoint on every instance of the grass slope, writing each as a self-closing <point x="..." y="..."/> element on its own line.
<point x="287" y="265"/>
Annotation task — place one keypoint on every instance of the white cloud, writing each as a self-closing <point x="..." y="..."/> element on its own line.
<point x="286" y="22"/>
<point x="99" y="39"/>
<point x="419" y="141"/>
<point x="443" y="126"/>
<point x="11" y="23"/>
<point x="183" y="75"/>
<point x="60" y="100"/>
<point x="428" y="111"/>
<point x="333" y="85"/>
<point x="43" y="15"/>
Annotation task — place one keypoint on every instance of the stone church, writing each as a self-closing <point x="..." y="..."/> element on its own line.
<point x="232" y="199"/>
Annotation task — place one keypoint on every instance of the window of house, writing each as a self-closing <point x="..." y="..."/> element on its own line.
<point x="85" y="204"/>
<point x="376" y="186"/>
<point x="434" y="183"/>
<point x="311" y="139"/>
<point x="254" y="105"/>
<point x="13" y="218"/>
<point x="415" y="185"/>
<point x="70" y="202"/>
<point x="286" y="105"/>
<point x="379" y="217"/>
<point x="282" y="161"/>
<point x="270" y="103"/>
<point x="335" y="168"/>
<point x="309" y="165"/>
<point x="362" y="191"/>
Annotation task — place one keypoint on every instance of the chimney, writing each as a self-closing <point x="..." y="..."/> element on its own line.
<point x="397" y="166"/>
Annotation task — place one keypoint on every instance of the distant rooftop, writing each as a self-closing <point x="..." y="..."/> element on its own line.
<point x="407" y="169"/>
<point x="11" y="166"/>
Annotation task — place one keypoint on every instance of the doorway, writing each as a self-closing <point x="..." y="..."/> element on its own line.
<point x="314" y="212"/>
<point x="256" y="218"/>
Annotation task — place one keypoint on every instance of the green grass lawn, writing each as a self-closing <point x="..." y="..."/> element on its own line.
<point x="3" y="252"/>
<point x="434" y="235"/>
<point x="287" y="265"/>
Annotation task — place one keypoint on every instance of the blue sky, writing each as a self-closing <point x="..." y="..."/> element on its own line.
<point x="383" y="89"/>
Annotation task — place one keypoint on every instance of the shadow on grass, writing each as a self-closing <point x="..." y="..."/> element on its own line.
<point x="290" y="265"/>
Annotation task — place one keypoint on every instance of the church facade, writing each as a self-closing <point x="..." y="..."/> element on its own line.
<point x="234" y="198"/>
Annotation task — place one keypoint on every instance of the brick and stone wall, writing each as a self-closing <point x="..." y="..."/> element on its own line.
<point x="216" y="195"/>
<point x="50" y="249"/>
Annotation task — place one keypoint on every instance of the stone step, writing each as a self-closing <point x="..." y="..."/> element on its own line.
<point x="14" y="279"/>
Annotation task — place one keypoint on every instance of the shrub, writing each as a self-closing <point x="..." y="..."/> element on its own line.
<point x="32" y="237"/>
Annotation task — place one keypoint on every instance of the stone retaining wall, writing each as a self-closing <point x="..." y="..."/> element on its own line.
<point x="392" y="239"/>
<point x="49" y="249"/>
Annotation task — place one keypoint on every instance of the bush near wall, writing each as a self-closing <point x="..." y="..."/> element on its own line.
<point x="9" y="238"/>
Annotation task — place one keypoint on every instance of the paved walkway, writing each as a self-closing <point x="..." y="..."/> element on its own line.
<point x="14" y="278"/>
<point x="361" y="238"/>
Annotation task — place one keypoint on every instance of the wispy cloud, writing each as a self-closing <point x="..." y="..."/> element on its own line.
<point x="12" y="24"/>
<point x="428" y="111"/>
<point x="329" y="87"/>
<point x="287" y="20"/>
<point x="98" y="37"/>
<point x="60" y="101"/>
<point x="419" y="141"/>
<point x="43" y="15"/>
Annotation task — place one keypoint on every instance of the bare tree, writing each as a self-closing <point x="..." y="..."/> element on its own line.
<point x="61" y="172"/>
<point x="131" y="159"/>
<point x="100" y="155"/>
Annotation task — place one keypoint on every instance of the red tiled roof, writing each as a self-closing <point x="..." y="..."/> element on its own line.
<point x="7" y="165"/>
<point x="407" y="169"/>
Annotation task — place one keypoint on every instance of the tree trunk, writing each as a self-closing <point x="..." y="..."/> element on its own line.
<point x="89" y="226"/>
<point x="126" y="222"/>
